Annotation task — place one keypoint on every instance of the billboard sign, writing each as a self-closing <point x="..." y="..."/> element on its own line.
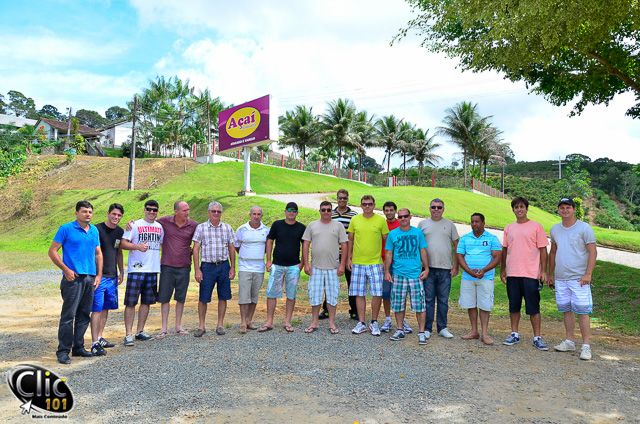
<point x="248" y="124"/>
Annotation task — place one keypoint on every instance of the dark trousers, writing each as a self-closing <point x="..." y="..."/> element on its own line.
<point x="352" y="299"/>
<point x="437" y="287"/>
<point x="77" y="299"/>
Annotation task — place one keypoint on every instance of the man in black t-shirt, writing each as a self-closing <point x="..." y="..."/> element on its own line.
<point x="106" y="294"/>
<point x="286" y="265"/>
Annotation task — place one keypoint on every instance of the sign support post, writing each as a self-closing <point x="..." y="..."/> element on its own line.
<point x="246" y="190"/>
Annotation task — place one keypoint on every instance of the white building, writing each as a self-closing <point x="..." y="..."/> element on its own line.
<point x="15" y="121"/>
<point x="116" y="135"/>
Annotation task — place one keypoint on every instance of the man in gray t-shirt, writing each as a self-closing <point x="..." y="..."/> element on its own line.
<point x="571" y="262"/>
<point x="442" y="241"/>
<point x="326" y="237"/>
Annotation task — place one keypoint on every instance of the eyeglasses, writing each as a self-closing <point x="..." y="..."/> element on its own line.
<point x="151" y="209"/>
<point x="291" y="210"/>
<point x="325" y="210"/>
<point x="343" y="198"/>
<point x="367" y="203"/>
<point x="214" y="211"/>
<point x="403" y="216"/>
<point x="437" y="207"/>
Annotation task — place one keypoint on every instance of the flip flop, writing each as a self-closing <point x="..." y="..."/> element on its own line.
<point x="251" y="327"/>
<point x="243" y="330"/>
<point x="333" y="330"/>
<point x="264" y="329"/>
<point x="161" y="335"/>
<point x="288" y="328"/>
<point x="487" y="342"/>
<point x="182" y="332"/>
<point x="309" y="329"/>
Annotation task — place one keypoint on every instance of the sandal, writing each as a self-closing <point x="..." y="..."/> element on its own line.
<point x="333" y="330"/>
<point x="264" y="329"/>
<point x="309" y="329"/>
<point x="161" y="335"/>
<point x="251" y="327"/>
<point x="288" y="328"/>
<point x="182" y="332"/>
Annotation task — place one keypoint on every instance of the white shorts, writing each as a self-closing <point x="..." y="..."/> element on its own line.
<point x="572" y="297"/>
<point x="476" y="293"/>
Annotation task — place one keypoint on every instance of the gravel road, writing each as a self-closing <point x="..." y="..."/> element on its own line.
<point x="312" y="200"/>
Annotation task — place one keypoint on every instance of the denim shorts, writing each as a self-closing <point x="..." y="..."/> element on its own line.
<point x="212" y="274"/>
<point x="287" y="275"/>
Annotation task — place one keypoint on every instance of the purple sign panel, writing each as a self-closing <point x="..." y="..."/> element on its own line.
<point x="245" y="125"/>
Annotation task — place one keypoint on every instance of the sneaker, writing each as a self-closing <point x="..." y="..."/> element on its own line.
<point x="446" y="333"/>
<point x="374" y="327"/>
<point x="540" y="344"/>
<point x="360" y="328"/>
<point x="511" y="339"/>
<point x="128" y="340"/>
<point x="565" y="346"/>
<point x="386" y="327"/>
<point x="143" y="336"/>
<point x="427" y="334"/>
<point x="105" y="343"/>
<point x="422" y="339"/>
<point x="407" y="329"/>
<point x="97" y="349"/>
<point x="585" y="352"/>
<point x="398" y="335"/>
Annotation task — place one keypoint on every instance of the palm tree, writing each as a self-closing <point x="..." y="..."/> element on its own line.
<point x="300" y="129"/>
<point x="388" y="134"/>
<point x="422" y="150"/>
<point x="462" y="127"/>
<point x="207" y="109"/>
<point x="405" y="144"/>
<point x="364" y="129"/>
<point x="488" y="145"/>
<point x="338" y="125"/>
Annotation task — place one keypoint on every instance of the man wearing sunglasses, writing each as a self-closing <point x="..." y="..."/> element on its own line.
<point x="367" y="232"/>
<point x="285" y="268"/>
<point x="406" y="265"/>
<point x="326" y="235"/>
<point x="442" y="241"/>
<point x="143" y="241"/>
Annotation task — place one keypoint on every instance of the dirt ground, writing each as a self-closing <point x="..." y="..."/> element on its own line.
<point x="28" y="328"/>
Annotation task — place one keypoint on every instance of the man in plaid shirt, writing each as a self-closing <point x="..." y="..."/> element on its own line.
<point x="214" y="260"/>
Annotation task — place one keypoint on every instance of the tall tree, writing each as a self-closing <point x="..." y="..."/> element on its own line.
<point x="21" y="105"/>
<point x="90" y="118"/>
<point x="50" y="111"/>
<point x="405" y="145"/>
<point x="338" y="125"/>
<point x="207" y="109"/>
<point x="300" y="129"/>
<point x="364" y="136"/>
<point x="462" y="127"/>
<point x="564" y="50"/>
<point x="389" y="134"/>
<point x="3" y="104"/>
<point x="117" y="114"/>
<point x="422" y="150"/>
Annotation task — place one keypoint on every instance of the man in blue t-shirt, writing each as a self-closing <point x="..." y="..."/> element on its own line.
<point x="81" y="265"/>
<point x="406" y="265"/>
<point x="479" y="252"/>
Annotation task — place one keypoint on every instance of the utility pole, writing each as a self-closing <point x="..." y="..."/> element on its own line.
<point x="132" y="159"/>
<point x="560" y="163"/>
<point x="66" y="141"/>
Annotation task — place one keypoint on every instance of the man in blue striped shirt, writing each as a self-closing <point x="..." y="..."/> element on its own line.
<point x="478" y="252"/>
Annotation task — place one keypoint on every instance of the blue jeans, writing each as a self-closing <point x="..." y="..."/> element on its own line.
<point x="437" y="284"/>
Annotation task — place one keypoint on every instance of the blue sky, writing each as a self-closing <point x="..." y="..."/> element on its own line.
<point x="94" y="54"/>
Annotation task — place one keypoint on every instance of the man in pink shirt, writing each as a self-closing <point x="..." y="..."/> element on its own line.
<point x="524" y="257"/>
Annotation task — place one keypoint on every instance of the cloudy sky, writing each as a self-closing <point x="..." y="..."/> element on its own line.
<point x="97" y="53"/>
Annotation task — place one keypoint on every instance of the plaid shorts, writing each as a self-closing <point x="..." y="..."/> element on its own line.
<point x="141" y="284"/>
<point x="414" y="287"/>
<point x="321" y="281"/>
<point x="361" y="274"/>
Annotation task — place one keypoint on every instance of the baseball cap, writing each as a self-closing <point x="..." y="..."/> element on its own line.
<point x="567" y="201"/>
<point x="291" y="205"/>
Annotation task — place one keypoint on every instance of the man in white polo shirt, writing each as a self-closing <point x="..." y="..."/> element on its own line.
<point x="251" y="239"/>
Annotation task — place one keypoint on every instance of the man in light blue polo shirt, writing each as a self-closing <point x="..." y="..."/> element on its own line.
<point x="81" y="265"/>
<point x="478" y="252"/>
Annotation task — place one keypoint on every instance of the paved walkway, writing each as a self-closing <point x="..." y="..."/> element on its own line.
<point x="312" y="200"/>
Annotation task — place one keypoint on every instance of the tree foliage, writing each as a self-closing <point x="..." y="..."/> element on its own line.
<point x="299" y="129"/>
<point x="117" y="114"/>
<point x="21" y="105"/>
<point x="91" y="118"/>
<point x="569" y="51"/>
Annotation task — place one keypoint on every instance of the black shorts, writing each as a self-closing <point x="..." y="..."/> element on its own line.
<point x="519" y="287"/>
<point x="143" y="285"/>
<point x="173" y="279"/>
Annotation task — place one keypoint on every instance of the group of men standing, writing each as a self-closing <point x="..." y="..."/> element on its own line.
<point x="388" y="257"/>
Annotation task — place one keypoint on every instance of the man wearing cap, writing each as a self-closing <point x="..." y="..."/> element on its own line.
<point x="571" y="262"/>
<point x="286" y="265"/>
<point x="442" y="241"/>
<point x="325" y="236"/>
<point x="478" y="254"/>
<point x="524" y="263"/>
<point x="214" y="260"/>
<point x="251" y="241"/>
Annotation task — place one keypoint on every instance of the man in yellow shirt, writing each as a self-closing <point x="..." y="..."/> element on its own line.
<point x="367" y="232"/>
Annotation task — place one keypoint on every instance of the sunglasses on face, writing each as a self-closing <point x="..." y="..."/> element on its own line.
<point x="437" y="207"/>
<point x="216" y="212"/>
<point x="291" y="210"/>
<point x="403" y="216"/>
<point x="343" y="198"/>
<point x="367" y="204"/>
<point x="325" y="210"/>
<point x="151" y="209"/>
